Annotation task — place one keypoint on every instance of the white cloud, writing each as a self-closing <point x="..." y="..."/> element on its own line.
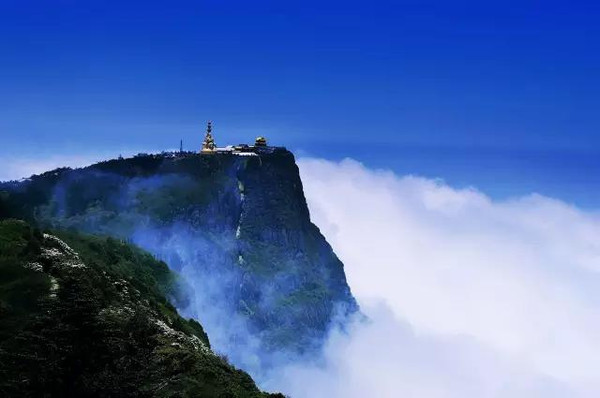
<point x="468" y="297"/>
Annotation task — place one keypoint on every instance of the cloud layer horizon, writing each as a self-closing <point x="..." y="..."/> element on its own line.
<point x="466" y="296"/>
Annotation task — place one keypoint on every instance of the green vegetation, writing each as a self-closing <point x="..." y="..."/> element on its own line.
<point x="89" y="317"/>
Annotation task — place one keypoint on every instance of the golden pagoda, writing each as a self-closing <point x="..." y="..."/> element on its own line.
<point x="260" y="141"/>
<point x="208" y="145"/>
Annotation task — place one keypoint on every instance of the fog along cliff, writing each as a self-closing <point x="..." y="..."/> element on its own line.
<point x="261" y="278"/>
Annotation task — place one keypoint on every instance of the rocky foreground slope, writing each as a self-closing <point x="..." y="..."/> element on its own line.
<point x="87" y="316"/>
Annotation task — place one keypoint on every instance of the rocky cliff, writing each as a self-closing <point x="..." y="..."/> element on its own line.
<point x="261" y="278"/>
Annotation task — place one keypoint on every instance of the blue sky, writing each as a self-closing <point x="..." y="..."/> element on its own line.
<point x="378" y="81"/>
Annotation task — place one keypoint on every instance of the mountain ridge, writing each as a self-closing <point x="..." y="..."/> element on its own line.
<point x="264" y="281"/>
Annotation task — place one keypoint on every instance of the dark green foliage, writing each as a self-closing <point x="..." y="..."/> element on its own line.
<point x="121" y="261"/>
<point x="20" y="287"/>
<point x="95" y="322"/>
<point x="19" y="200"/>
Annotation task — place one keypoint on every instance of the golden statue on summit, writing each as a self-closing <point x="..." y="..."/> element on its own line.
<point x="260" y="142"/>
<point x="208" y="145"/>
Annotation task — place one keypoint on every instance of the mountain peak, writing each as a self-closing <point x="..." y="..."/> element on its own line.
<point x="260" y="276"/>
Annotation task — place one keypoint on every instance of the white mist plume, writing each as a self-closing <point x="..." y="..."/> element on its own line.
<point x="467" y="297"/>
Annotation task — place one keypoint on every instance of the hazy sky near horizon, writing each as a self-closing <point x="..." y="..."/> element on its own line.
<point x="375" y="81"/>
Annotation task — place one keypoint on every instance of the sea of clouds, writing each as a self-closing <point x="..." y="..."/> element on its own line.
<point x="465" y="296"/>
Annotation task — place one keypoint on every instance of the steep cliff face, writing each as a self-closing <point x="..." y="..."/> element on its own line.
<point x="294" y="281"/>
<point x="261" y="277"/>
<point x="86" y="316"/>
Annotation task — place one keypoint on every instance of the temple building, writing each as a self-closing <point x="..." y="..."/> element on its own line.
<point x="260" y="142"/>
<point x="208" y="145"/>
